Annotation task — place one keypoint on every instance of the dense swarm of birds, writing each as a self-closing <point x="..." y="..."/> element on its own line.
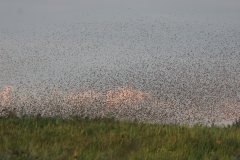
<point x="155" y="70"/>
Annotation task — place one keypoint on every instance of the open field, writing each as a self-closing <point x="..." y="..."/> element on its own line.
<point x="35" y="137"/>
<point x="122" y="124"/>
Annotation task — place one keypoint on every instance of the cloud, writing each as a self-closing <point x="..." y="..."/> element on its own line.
<point x="229" y="110"/>
<point x="83" y="98"/>
<point x="4" y="95"/>
<point x="126" y="96"/>
<point x="113" y="97"/>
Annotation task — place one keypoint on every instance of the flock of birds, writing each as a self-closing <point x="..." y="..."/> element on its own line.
<point x="155" y="70"/>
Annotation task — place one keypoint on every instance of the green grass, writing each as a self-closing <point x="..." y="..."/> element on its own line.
<point x="32" y="137"/>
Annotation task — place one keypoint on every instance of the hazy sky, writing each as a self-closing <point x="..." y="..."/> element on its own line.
<point x="15" y="13"/>
<point x="42" y="32"/>
<point x="183" y="51"/>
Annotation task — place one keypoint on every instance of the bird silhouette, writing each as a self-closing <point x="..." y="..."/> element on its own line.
<point x="157" y="69"/>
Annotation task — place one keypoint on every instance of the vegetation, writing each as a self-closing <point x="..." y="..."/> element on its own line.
<point x="35" y="137"/>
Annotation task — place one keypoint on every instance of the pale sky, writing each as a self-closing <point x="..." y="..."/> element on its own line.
<point x="15" y="13"/>
<point x="45" y="39"/>
<point x="183" y="51"/>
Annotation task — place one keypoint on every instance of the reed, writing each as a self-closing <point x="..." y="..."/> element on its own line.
<point x="35" y="137"/>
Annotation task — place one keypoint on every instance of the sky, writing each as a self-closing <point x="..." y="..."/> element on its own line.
<point x="118" y="28"/>
<point x="183" y="51"/>
<point x="19" y="14"/>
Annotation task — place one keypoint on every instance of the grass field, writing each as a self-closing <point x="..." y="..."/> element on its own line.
<point x="34" y="137"/>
